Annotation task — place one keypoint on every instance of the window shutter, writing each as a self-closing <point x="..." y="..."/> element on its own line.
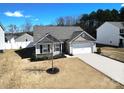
<point x="40" y="48"/>
<point x="48" y="48"/>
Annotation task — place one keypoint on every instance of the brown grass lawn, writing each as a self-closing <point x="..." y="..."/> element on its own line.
<point x="115" y="53"/>
<point x="21" y="73"/>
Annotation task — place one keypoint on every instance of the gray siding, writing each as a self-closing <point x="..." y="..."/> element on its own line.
<point x="25" y="37"/>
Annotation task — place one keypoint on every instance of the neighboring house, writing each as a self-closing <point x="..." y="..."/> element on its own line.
<point x="111" y="33"/>
<point x="62" y="39"/>
<point x="18" y="40"/>
<point x="2" y="38"/>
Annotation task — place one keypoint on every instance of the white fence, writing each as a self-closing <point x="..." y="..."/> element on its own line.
<point x="111" y="68"/>
<point x="17" y="45"/>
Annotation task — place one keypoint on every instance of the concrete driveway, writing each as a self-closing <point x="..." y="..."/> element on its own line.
<point x="112" y="68"/>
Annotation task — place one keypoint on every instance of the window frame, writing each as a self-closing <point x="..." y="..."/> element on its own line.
<point x="45" y="48"/>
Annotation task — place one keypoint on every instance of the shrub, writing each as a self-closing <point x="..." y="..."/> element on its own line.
<point x="99" y="50"/>
<point x="45" y="57"/>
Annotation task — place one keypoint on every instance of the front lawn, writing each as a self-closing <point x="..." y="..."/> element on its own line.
<point x="21" y="73"/>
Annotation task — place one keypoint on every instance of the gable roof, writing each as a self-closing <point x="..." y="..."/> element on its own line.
<point x="47" y="39"/>
<point x="79" y="33"/>
<point x="9" y="35"/>
<point x="60" y="32"/>
<point x="118" y="24"/>
<point x="74" y="35"/>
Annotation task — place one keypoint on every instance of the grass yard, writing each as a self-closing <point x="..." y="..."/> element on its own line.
<point x="21" y="73"/>
<point x="114" y="53"/>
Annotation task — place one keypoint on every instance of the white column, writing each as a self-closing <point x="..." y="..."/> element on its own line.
<point x="61" y="48"/>
<point x="36" y="50"/>
<point x="53" y="48"/>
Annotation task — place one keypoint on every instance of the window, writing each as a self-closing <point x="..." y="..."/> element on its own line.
<point x="121" y="31"/>
<point x="45" y="48"/>
<point x="110" y="41"/>
<point x="57" y="47"/>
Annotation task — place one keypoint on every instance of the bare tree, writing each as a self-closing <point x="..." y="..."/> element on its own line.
<point x="60" y="21"/>
<point x="70" y="20"/>
<point x="66" y="21"/>
<point x="27" y="25"/>
<point x="13" y="28"/>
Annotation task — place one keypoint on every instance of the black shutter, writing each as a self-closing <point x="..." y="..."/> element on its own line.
<point x="48" y="48"/>
<point x="40" y="48"/>
<point x="60" y="47"/>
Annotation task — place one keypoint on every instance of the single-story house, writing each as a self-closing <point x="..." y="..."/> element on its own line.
<point x="2" y="38"/>
<point x="111" y="33"/>
<point x="62" y="39"/>
<point x="18" y="40"/>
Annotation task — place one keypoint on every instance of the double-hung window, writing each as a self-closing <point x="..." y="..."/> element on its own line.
<point x="45" y="48"/>
<point x="57" y="47"/>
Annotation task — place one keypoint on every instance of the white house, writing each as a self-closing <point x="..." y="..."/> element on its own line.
<point x="2" y="38"/>
<point x="18" y="40"/>
<point x="111" y="33"/>
<point x="62" y="39"/>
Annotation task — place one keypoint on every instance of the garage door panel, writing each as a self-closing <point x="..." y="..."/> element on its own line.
<point x="81" y="50"/>
<point x="81" y="45"/>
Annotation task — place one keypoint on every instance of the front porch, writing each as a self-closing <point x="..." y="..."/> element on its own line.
<point x="43" y="50"/>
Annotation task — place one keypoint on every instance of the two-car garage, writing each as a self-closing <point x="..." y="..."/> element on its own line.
<point x="82" y="48"/>
<point x="81" y="44"/>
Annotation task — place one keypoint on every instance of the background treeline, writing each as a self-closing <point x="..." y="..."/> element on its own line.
<point x="89" y="22"/>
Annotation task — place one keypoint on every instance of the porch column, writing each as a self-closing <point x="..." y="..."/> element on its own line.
<point x="36" y="51"/>
<point x="53" y="48"/>
<point x="61" y="48"/>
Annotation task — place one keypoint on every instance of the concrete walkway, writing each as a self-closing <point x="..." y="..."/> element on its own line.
<point x="110" y="67"/>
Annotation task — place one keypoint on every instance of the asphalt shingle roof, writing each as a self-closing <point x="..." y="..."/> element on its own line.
<point x="60" y="32"/>
<point x="48" y="39"/>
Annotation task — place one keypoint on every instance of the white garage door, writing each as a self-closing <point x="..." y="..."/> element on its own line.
<point x="81" y="48"/>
